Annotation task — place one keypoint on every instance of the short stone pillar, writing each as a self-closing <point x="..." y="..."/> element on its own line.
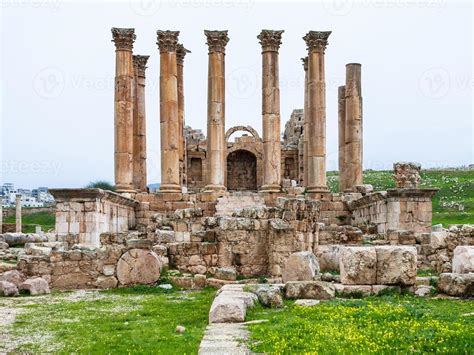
<point x="139" y="125"/>
<point x="169" y="126"/>
<point x="18" y="213"/>
<point x="216" y="145"/>
<point x="271" y="41"/>
<point x="353" y="124"/>
<point x="180" y="54"/>
<point x="123" y="39"/>
<point x="407" y="175"/>
<point x="305" y="123"/>
<point x="341" y="104"/>
<point x="316" y="43"/>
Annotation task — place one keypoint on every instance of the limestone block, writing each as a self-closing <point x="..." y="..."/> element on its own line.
<point x="226" y="273"/>
<point x="165" y="236"/>
<point x="200" y="280"/>
<point x="8" y="289"/>
<point x="358" y="265"/>
<point x="396" y="265"/>
<point x="300" y="266"/>
<point x="307" y="303"/>
<point x="13" y="276"/>
<point x="328" y="257"/>
<point x="138" y="266"/>
<point x="227" y="310"/>
<point x="139" y="243"/>
<point x="319" y="290"/>
<point x="438" y="240"/>
<point x="270" y="296"/>
<point x="32" y="249"/>
<point x="35" y="286"/>
<point x="463" y="259"/>
<point x="105" y="282"/>
<point x="456" y="284"/>
<point x="354" y="290"/>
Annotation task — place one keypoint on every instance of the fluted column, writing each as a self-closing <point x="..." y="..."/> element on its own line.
<point x="169" y="122"/>
<point x="139" y="124"/>
<point x="271" y="41"/>
<point x="216" y="146"/>
<point x="353" y="131"/>
<point x="341" y="114"/>
<point x="18" y="213"/>
<point x="305" y="123"/>
<point x="180" y="53"/>
<point x="316" y="43"/>
<point x="123" y="113"/>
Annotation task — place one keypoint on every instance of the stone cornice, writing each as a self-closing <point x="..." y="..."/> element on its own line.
<point x="167" y="41"/>
<point x="181" y="53"/>
<point x="316" y="41"/>
<point x="416" y="193"/>
<point x="270" y="40"/>
<point x="139" y="62"/>
<point x="305" y="63"/>
<point x="216" y="40"/>
<point x="123" y="38"/>
<point x="82" y="195"/>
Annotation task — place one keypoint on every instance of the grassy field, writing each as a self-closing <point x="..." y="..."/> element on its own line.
<point x="453" y="204"/>
<point x="45" y="219"/>
<point x="384" y="324"/>
<point x="130" y="320"/>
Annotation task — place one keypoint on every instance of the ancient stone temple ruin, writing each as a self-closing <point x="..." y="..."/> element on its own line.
<point x="245" y="207"/>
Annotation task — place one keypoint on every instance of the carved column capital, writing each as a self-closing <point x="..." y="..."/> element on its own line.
<point x="139" y="62"/>
<point x="123" y="38"/>
<point x="305" y="63"/>
<point x="216" y="40"/>
<point x="167" y="41"/>
<point x="181" y="53"/>
<point x="316" y="41"/>
<point x="270" y="40"/>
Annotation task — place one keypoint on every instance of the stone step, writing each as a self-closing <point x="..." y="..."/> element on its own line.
<point x="226" y="205"/>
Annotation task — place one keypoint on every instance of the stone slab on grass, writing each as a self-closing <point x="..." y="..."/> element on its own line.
<point x="396" y="265"/>
<point x="318" y="290"/>
<point x="459" y="285"/>
<point x="463" y="259"/>
<point x="300" y="266"/>
<point x="358" y="265"/>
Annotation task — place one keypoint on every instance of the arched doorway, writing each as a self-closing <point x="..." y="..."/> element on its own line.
<point x="241" y="170"/>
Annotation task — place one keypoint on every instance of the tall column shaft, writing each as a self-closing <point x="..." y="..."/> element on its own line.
<point x="181" y="52"/>
<point x="341" y="114"/>
<point x="271" y="41"/>
<point x="353" y="131"/>
<point x="169" y="122"/>
<point x="18" y="214"/>
<point x="305" y="123"/>
<point x="316" y="43"/>
<point x="123" y="113"/>
<point x="216" y="146"/>
<point x="1" y="215"/>
<point x="139" y="125"/>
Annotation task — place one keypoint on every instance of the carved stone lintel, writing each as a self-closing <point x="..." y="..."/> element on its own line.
<point x="216" y="40"/>
<point x="270" y="40"/>
<point x="123" y="38"/>
<point x="167" y="41"/>
<point x="316" y="41"/>
<point x="139" y="62"/>
<point x="181" y="53"/>
<point x="305" y="63"/>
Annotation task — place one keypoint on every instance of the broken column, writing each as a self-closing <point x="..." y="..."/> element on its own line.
<point x="216" y="145"/>
<point x="139" y="125"/>
<point x="341" y="101"/>
<point x="305" y="123"/>
<point x="180" y="53"/>
<point x="271" y="41"/>
<point x="353" y="124"/>
<point x="18" y="213"/>
<point x="123" y="114"/>
<point x="407" y="175"/>
<point x="316" y="43"/>
<point x="169" y="126"/>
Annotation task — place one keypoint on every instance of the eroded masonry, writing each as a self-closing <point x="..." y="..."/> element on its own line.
<point x="254" y="206"/>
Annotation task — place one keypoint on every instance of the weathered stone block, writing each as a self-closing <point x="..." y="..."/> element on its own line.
<point x="458" y="285"/>
<point x="8" y="289"/>
<point x="328" y="257"/>
<point x="300" y="266"/>
<point x="35" y="286"/>
<point x="463" y="259"/>
<point x="226" y="273"/>
<point x="396" y="265"/>
<point x="138" y="266"/>
<point x="309" y="290"/>
<point x="358" y="265"/>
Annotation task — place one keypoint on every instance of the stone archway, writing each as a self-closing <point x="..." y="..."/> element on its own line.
<point x="241" y="171"/>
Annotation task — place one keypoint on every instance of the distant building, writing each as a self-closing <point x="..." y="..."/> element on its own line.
<point x="39" y="197"/>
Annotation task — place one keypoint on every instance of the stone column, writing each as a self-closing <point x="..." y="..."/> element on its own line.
<point x="316" y="43"/>
<point x="353" y="124"/>
<point x="18" y="213"/>
<point x="123" y="38"/>
<point x="271" y="41"/>
<point x="139" y="125"/>
<point x="216" y="145"/>
<point x="341" y="104"/>
<point x="305" y="123"/>
<point x="1" y="214"/>
<point x="167" y="43"/>
<point x="181" y="53"/>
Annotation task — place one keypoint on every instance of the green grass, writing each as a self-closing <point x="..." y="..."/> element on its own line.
<point x="453" y="204"/>
<point x="46" y="220"/>
<point x="131" y="320"/>
<point x="385" y="324"/>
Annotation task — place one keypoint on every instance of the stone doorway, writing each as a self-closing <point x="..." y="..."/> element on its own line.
<point x="241" y="171"/>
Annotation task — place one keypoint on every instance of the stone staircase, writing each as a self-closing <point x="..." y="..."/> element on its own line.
<point x="227" y="204"/>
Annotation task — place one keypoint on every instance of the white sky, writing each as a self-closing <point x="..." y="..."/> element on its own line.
<point x="57" y="78"/>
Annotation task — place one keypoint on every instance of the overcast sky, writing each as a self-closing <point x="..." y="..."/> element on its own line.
<point x="58" y="62"/>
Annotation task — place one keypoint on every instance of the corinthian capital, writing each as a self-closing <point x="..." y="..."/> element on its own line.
<point x="305" y="63"/>
<point x="181" y="53"/>
<point x="139" y="62"/>
<point x="270" y="40"/>
<point x="123" y="38"/>
<point x="216" y="40"/>
<point x="316" y="41"/>
<point x="167" y="41"/>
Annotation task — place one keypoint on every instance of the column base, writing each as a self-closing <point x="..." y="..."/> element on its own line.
<point x="270" y="188"/>
<point x="317" y="189"/>
<point x="125" y="189"/>
<point x="215" y="188"/>
<point x="171" y="188"/>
